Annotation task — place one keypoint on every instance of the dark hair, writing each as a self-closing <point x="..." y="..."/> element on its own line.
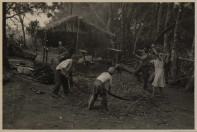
<point x="146" y="49"/>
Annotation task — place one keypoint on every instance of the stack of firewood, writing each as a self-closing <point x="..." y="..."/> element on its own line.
<point x="44" y="74"/>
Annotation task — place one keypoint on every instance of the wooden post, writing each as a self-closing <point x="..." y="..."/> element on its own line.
<point x="44" y="47"/>
<point x="36" y="44"/>
<point x="43" y="54"/>
<point x="47" y="50"/>
<point x="116" y="52"/>
<point x="77" y="36"/>
<point x="65" y="36"/>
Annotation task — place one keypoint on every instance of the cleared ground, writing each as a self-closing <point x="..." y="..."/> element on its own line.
<point x="24" y="109"/>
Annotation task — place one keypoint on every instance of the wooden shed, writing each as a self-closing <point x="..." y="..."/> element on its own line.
<point x="76" y="32"/>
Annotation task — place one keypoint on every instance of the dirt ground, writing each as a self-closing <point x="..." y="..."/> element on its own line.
<point x="24" y="109"/>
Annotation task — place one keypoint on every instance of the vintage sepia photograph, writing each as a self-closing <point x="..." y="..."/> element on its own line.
<point x="98" y="65"/>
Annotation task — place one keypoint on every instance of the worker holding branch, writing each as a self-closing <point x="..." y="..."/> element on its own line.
<point x="143" y="67"/>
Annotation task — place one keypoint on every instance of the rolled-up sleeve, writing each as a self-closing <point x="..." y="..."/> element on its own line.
<point x="110" y="82"/>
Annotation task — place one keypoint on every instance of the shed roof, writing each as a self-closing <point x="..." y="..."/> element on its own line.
<point x="74" y="19"/>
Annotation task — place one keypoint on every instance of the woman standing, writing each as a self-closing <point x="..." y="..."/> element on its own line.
<point x="159" y="80"/>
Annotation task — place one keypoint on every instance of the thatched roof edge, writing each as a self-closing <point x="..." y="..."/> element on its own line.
<point x="69" y="18"/>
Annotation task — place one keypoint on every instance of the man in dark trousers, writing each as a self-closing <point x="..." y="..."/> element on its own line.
<point x="64" y="75"/>
<point x="143" y="67"/>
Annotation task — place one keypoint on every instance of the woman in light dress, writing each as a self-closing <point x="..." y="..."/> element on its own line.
<point x="159" y="79"/>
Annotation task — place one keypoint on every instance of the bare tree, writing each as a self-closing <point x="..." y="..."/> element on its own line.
<point x="168" y="22"/>
<point x="174" y="52"/>
<point x="5" y="49"/>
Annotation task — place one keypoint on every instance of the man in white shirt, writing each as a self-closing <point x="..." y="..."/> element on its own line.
<point x="64" y="74"/>
<point x="99" y="88"/>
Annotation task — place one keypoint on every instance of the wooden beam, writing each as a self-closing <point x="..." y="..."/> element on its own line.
<point x="83" y="51"/>
<point x="115" y="50"/>
<point x="126" y="68"/>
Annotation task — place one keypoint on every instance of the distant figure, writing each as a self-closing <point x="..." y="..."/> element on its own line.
<point x="64" y="75"/>
<point x="99" y="88"/>
<point x="159" y="80"/>
<point x="144" y="66"/>
<point x="63" y="52"/>
<point x="61" y="48"/>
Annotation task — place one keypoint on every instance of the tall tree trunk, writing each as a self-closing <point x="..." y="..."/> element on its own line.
<point x="110" y="18"/>
<point x="23" y="29"/>
<point x="36" y="48"/>
<point x="192" y="50"/>
<point x="160" y="18"/>
<point x="71" y="8"/>
<point x="174" y="52"/>
<point x="156" y="14"/>
<point x="5" y="49"/>
<point x="109" y="23"/>
<point x="168" y="22"/>
<point x="22" y="25"/>
<point x="128" y="31"/>
<point x="123" y="29"/>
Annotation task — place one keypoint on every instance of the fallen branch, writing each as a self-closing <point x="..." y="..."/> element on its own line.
<point x="184" y="78"/>
<point x="27" y="77"/>
<point x="175" y="81"/>
<point x="186" y="59"/>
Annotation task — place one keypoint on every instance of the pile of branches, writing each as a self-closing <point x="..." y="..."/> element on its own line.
<point x="43" y="73"/>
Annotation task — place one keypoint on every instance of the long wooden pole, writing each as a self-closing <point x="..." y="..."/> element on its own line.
<point x="163" y="32"/>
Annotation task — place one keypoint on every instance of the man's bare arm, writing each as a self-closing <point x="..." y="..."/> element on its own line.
<point x="154" y="50"/>
<point x="137" y="56"/>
